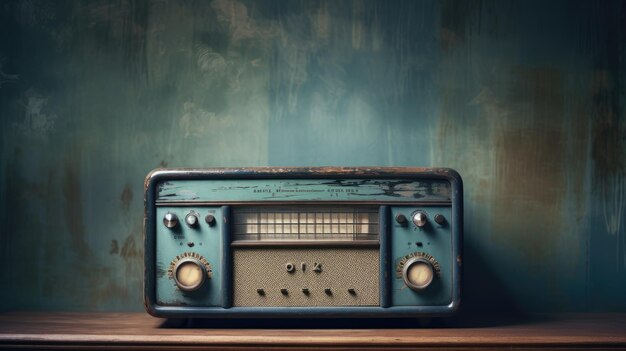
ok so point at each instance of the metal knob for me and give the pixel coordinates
(420, 219)
(170, 220)
(418, 273)
(401, 219)
(191, 219)
(210, 219)
(440, 219)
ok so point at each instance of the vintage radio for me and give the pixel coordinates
(303, 242)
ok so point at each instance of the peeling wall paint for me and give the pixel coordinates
(525, 99)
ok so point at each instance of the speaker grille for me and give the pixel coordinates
(261, 278)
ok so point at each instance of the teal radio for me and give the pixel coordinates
(303, 242)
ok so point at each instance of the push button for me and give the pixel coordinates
(440, 219)
(401, 219)
(210, 219)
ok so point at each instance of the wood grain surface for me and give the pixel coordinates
(141, 331)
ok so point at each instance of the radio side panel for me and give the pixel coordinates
(202, 242)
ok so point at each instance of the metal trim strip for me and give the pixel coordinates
(305, 243)
(275, 203)
(297, 312)
(385, 257)
(227, 262)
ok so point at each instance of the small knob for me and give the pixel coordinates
(191, 219)
(418, 273)
(420, 219)
(210, 219)
(170, 220)
(189, 274)
(401, 219)
(440, 219)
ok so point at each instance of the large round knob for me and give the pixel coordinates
(420, 219)
(170, 220)
(418, 273)
(189, 274)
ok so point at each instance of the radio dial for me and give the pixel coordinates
(420, 219)
(190, 271)
(418, 273)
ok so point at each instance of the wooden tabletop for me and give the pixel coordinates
(141, 331)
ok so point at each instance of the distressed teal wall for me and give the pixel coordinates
(525, 99)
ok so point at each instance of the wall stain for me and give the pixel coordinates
(126, 198)
(608, 145)
(358, 27)
(241, 24)
(530, 165)
(458, 19)
(114, 250)
(133, 261)
(103, 292)
(73, 207)
(38, 120)
(608, 137)
(6, 77)
(577, 130)
(122, 23)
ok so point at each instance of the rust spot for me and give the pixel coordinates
(163, 164)
(129, 249)
(133, 260)
(73, 208)
(126, 197)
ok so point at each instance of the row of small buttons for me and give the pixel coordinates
(170, 219)
(419, 219)
(305, 291)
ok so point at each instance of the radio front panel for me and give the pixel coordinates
(318, 242)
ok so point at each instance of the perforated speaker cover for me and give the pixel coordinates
(260, 277)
